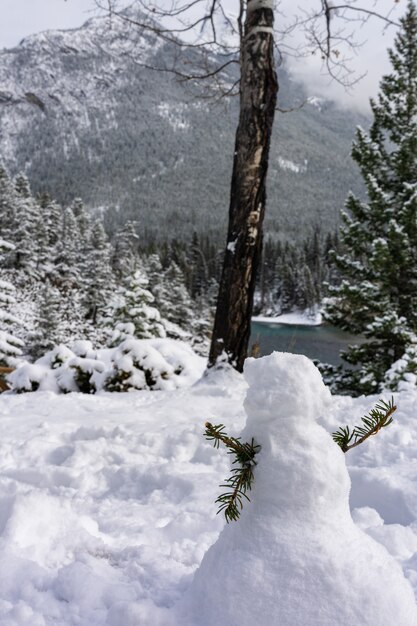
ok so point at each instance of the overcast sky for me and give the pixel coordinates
(370, 58)
(20, 18)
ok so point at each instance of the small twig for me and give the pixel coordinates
(217, 434)
(379, 417)
(231, 502)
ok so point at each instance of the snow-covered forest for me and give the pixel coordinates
(155, 468)
(64, 280)
(70, 281)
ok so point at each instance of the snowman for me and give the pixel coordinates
(295, 557)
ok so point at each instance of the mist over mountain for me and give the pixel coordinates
(82, 116)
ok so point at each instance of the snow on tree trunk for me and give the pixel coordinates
(295, 557)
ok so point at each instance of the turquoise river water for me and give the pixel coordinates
(317, 342)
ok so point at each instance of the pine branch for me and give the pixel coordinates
(231, 502)
(379, 417)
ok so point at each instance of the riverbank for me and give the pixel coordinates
(295, 318)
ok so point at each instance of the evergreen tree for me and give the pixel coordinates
(158, 284)
(10, 345)
(69, 278)
(154, 271)
(136, 307)
(308, 293)
(82, 217)
(52, 216)
(378, 294)
(125, 258)
(68, 254)
(43, 251)
(47, 322)
(8, 218)
(98, 279)
(24, 236)
(177, 306)
(198, 273)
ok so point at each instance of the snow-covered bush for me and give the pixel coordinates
(62, 370)
(81, 374)
(180, 356)
(33, 377)
(56, 357)
(84, 348)
(136, 364)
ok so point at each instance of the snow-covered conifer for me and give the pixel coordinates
(137, 307)
(120, 332)
(44, 262)
(402, 375)
(24, 237)
(68, 253)
(82, 217)
(8, 208)
(124, 257)
(177, 306)
(46, 333)
(377, 296)
(199, 270)
(10, 345)
(52, 215)
(155, 274)
(98, 275)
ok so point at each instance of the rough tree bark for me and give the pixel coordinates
(258, 95)
(322, 23)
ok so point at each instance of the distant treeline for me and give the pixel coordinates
(66, 278)
(292, 274)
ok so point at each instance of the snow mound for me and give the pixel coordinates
(295, 558)
(136, 364)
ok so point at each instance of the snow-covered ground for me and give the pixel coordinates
(107, 501)
(300, 318)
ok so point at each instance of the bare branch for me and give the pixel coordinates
(367, 12)
(328, 34)
(330, 29)
(186, 77)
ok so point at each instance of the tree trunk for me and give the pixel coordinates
(258, 94)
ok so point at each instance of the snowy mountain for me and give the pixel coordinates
(82, 116)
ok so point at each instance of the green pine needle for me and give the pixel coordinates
(379, 417)
(231, 502)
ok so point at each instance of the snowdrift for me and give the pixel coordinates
(295, 558)
(107, 505)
